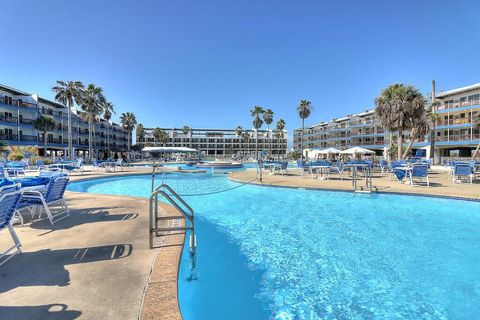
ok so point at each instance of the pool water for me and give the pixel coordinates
(283, 253)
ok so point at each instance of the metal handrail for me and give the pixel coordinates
(164, 190)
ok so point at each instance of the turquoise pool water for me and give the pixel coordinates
(290, 254)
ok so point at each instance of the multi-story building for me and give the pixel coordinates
(220, 143)
(18, 111)
(455, 133)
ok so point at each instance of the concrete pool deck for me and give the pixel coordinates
(440, 183)
(98, 264)
(95, 265)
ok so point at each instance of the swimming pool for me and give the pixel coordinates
(291, 254)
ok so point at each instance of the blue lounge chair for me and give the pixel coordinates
(463, 171)
(9, 198)
(40, 164)
(383, 165)
(282, 168)
(338, 169)
(419, 171)
(52, 196)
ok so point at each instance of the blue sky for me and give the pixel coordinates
(206, 63)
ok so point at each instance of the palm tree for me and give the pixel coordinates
(108, 110)
(68, 93)
(92, 106)
(140, 133)
(398, 108)
(268, 119)
(421, 127)
(186, 130)
(44, 124)
(160, 136)
(433, 117)
(279, 132)
(257, 124)
(238, 133)
(129, 122)
(304, 110)
(476, 124)
(246, 138)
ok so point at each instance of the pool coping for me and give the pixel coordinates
(412, 194)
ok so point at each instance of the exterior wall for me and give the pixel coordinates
(219, 142)
(18, 111)
(455, 134)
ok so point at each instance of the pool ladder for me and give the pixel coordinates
(173, 228)
(368, 181)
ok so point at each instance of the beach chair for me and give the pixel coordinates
(383, 166)
(118, 164)
(282, 169)
(463, 171)
(420, 172)
(338, 169)
(40, 164)
(52, 197)
(9, 198)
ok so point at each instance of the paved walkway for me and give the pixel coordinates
(94, 265)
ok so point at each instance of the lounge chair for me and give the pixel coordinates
(383, 165)
(118, 163)
(40, 164)
(9, 198)
(419, 171)
(282, 169)
(51, 197)
(463, 171)
(338, 169)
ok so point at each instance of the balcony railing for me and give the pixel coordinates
(17, 103)
(9, 137)
(451, 122)
(3, 118)
(458, 104)
(454, 137)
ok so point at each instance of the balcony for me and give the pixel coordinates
(451, 122)
(9, 137)
(17, 103)
(27, 121)
(3, 118)
(459, 137)
(458, 104)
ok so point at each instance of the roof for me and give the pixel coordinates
(457, 91)
(52, 103)
(14, 91)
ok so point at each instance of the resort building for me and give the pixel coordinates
(220, 143)
(455, 134)
(19, 109)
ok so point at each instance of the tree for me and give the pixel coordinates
(257, 124)
(398, 107)
(279, 132)
(432, 117)
(129, 122)
(186, 130)
(160, 136)
(140, 133)
(268, 119)
(44, 124)
(92, 106)
(304, 110)
(421, 127)
(238, 133)
(246, 137)
(476, 124)
(69, 93)
(108, 110)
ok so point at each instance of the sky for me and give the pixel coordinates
(207, 63)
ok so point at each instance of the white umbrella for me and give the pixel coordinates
(329, 151)
(357, 150)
